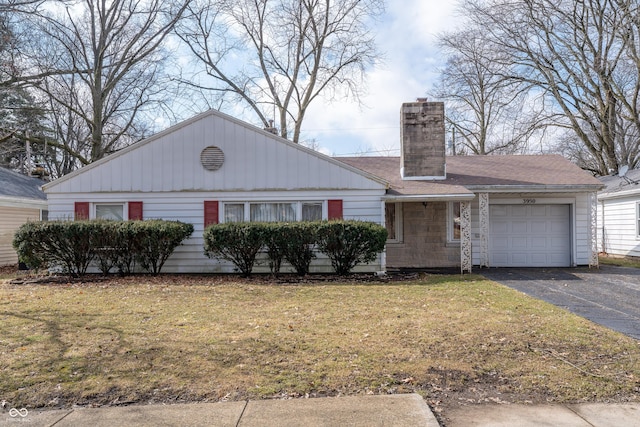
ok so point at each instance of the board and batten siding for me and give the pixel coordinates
(189, 207)
(618, 232)
(11, 218)
(254, 160)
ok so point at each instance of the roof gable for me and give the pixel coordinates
(254, 160)
(15, 185)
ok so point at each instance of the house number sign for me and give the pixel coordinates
(528, 201)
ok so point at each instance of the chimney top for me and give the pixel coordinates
(422, 135)
(421, 99)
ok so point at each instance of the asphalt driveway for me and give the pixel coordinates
(609, 296)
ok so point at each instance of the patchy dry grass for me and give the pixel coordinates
(633, 262)
(175, 338)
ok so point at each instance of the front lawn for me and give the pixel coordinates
(452, 339)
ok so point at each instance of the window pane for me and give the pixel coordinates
(390, 219)
(312, 211)
(456, 220)
(113, 212)
(271, 212)
(234, 212)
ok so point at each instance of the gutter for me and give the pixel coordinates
(430, 198)
(534, 189)
(21, 202)
(619, 194)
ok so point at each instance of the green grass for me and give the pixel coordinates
(176, 338)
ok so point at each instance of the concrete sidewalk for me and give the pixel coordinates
(582, 415)
(401, 410)
(366, 411)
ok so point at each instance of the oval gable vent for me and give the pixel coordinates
(212, 158)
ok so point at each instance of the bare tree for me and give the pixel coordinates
(278, 56)
(116, 51)
(488, 112)
(578, 54)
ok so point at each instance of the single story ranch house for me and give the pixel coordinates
(461, 211)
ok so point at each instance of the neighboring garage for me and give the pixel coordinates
(530, 235)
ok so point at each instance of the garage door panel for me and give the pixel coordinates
(558, 210)
(539, 260)
(519, 227)
(537, 210)
(530, 236)
(519, 257)
(518, 211)
(539, 226)
(539, 242)
(519, 242)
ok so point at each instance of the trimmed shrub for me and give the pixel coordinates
(73, 245)
(155, 240)
(298, 239)
(57, 243)
(275, 242)
(348, 243)
(237, 242)
(103, 241)
(28, 244)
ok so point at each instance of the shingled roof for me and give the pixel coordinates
(15, 185)
(465, 174)
(617, 185)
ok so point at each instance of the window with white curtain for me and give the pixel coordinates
(273, 211)
(234, 212)
(110, 211)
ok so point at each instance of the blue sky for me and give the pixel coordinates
(407, 37)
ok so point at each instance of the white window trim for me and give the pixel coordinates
(398, 225)
(125, 209)
(247, 207)
(450, 238)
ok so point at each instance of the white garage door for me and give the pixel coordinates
(529, 236)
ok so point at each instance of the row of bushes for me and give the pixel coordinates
(122, 245)
(346, 244)
(74, 245)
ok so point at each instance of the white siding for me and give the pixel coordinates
(189, 207)
(254, 161)
(618, 234)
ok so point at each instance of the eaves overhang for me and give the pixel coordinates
(428, 198)
(22, 202)
(534, 188)
(619, 194)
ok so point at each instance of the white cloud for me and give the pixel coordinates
(407, 36)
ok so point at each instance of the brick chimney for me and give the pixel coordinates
(422, 153)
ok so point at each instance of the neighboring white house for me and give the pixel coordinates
(619, 214)
(440, 211)
(21, 200)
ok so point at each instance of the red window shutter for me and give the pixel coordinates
(81, 210)
(334, 209)
(210, 212)
(135, 210)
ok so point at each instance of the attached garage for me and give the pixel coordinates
(530, 235)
